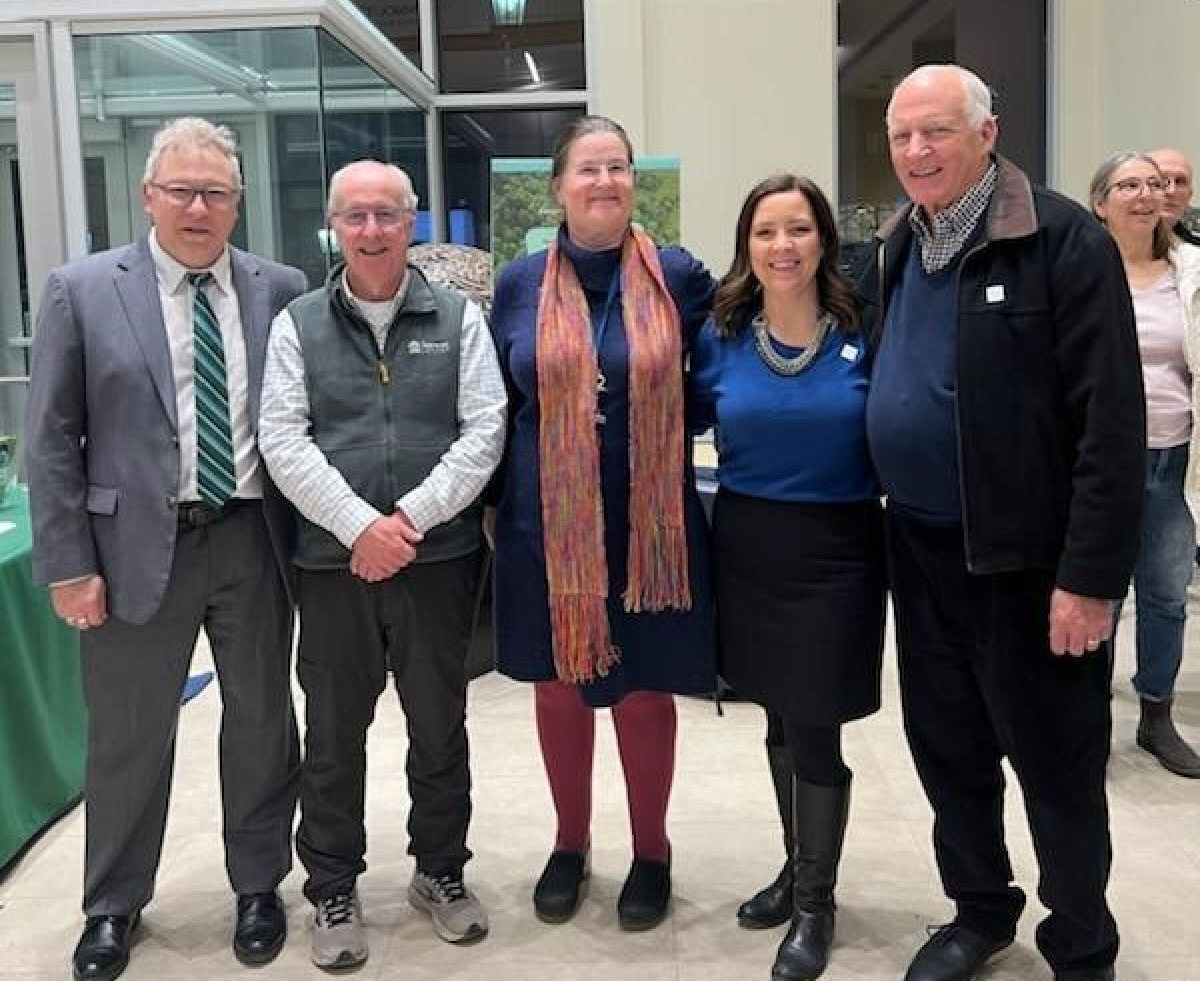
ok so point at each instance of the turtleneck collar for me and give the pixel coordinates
(594, 267)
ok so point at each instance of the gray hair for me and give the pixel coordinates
(977, 97)
(1102, 184)
(408, 199)
(1102, 178)
(193, 133)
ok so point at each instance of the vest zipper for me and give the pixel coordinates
(385, 376)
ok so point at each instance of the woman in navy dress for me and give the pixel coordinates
(781, 371)
(602, 597)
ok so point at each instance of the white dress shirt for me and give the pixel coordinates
(317, 488)
(177, 297)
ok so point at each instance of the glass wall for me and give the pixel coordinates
(471, 139)
(510, 45)
(300, 104)
(14, 287)
(880, 41)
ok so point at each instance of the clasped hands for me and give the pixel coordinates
(385, 546)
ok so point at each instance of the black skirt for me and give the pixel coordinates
(800, 604)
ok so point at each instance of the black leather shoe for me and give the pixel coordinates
(1086, 974)
(103, 949)
(645, 896)
(261, 928)
(558, 892)
(953, 953)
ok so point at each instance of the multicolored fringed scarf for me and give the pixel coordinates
(568, 449)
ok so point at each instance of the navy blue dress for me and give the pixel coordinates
(673, 651)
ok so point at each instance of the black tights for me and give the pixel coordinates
(816, 750)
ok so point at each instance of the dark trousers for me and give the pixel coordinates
(979, 683)
(417, 624)
(224, 578)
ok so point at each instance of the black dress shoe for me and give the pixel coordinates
(261, 928)
(645, 896)
(1086, 974)
(103, 949)
(953, 953)
(558, 892)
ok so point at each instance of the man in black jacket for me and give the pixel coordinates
(1177, 169)
(1006, 423)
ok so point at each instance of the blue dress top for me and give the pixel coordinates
(671, 651)
(794, 438)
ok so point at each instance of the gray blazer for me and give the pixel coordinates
(102, 448)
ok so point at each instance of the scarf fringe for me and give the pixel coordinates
(658, 569)
(583, 648)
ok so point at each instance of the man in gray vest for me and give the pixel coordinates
(383, 417)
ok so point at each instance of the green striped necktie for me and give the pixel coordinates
(214, 434)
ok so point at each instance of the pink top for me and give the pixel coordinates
(1160, 326)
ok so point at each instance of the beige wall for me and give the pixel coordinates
(1123, 76)
(735, 88)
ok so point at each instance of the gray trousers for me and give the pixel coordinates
(223, 578)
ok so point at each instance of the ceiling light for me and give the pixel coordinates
(533, 69)
(508, 13)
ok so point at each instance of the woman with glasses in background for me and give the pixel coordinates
(602, 596)
(1127, 194)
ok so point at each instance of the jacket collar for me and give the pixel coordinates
(1010, 213)
(418, 296)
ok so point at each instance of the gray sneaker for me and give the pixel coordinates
(339, 938)
(457, 915)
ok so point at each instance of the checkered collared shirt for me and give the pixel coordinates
(943, 238)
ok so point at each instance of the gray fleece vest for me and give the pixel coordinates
(383, 418)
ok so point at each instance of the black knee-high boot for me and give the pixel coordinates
(819, 822)
(772, 906)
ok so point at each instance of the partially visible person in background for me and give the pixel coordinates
(781, 370)
(1179, 176)
(1127, 194)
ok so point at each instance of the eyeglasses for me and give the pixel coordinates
(1133, 186)
(182, 195)
(385, 218)
(615, 169)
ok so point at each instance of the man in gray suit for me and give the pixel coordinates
(153, 516)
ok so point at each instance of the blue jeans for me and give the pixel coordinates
(1165, 560)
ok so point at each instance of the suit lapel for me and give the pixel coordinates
(136, 282)
(254, 306)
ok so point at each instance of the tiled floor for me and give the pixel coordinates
(726, 844)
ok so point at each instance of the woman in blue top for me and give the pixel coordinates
(780, 370)
(602, 596)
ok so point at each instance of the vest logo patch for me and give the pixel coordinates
(428, 347)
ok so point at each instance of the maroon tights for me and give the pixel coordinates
(645, 725)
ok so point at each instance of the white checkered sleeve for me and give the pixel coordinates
(296, 464)
(465, 468)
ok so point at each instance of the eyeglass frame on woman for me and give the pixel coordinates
(184, 195)
(385, 218)
(1130, 187)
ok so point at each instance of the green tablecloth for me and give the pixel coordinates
(43, 724)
